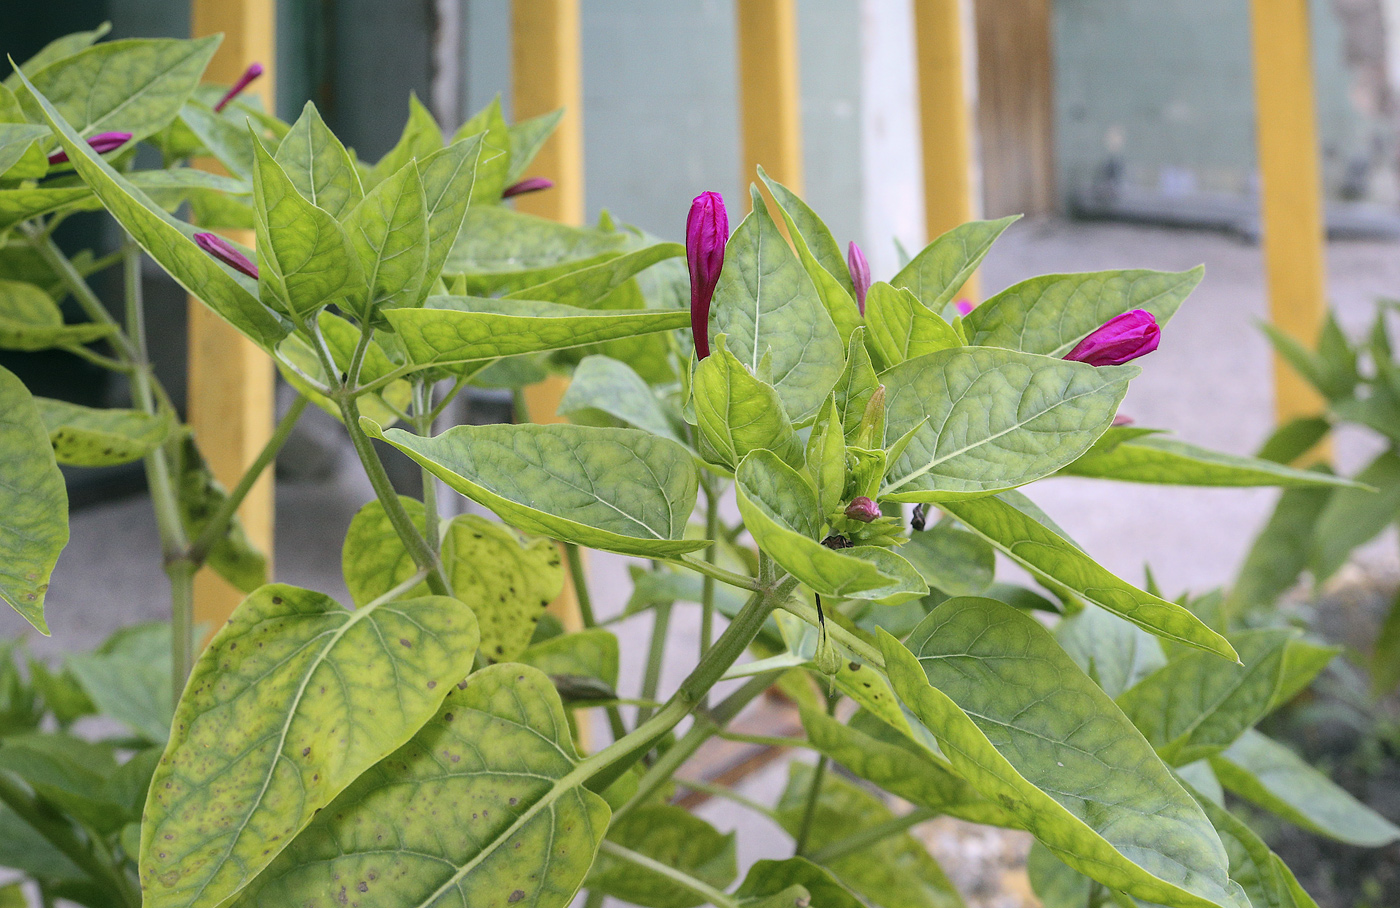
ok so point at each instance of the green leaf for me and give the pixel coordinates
(88, 437)
(1165, 460)
(765, 300)
(857, 383)
(199, 496)
(780, 510)
(770, 878)
(319, 166)
(283, 711)
(493, 172)
(1196, 706)
(1354, 516)
(1279, 554)
(902, 328)
(1385, 657)
(128, 679)
(448, 178)
(305, 260)
(1047, 554)
(1051, 313)
(953, 561)
(1113, 652)
(826, 458)
(986, 420)
(135, 86)
(421, 137)
(673, 837)
(1332, 373)
(591, 653)
(603, 383)
(31, 320)
(454, 329)
(168, 241)
(589, 286)
(737, 413)
(59, 48)
(496, 762)
(33, 504)
(226, 139)
(526, 139)
(1256, 870)
(890, 760)
(938, 272)
(373, 559)
(1054, 750)
(1270, 775)
(894, 872)
(1294, 439)
(17, 151)
(500, 250)
(1054, 882)
(622, 490)
(389, 232)
(507, 581)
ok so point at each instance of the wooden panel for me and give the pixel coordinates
(231, 381)
(1015, 124)
(1291, 187)
(770, 97)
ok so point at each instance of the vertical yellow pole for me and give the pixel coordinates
(231, 381)
(945, 119)
(547, 74)
(1291, 188)
(770, 96)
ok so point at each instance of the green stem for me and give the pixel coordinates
(804, 831)
(181, 573)
(98, 359)
(763, 740)
(867, 652)
(437, 411)
(92, 306)
(871, 835)
(60, 835)
(682, 880)
(656, 654)
(594, 899)
(218, 524)
(728, 794)
(585, 610)
(423, 424)
(707, 588)
(719, 573)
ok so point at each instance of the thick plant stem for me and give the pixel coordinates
(814, 793)
(182, 647)
(871, 835)
(585, 610)
(707, 588)
(719, 573)
(423, 425)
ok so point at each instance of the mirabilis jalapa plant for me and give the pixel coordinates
(417, 749)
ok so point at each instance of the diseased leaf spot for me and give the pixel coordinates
(516, 896)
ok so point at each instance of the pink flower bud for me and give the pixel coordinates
(1121, 420)
(964, 306)
(706, 232)
(863, 509)
(860, 273)
(1120, 339)
(530, 184)
(101, 143)
(223, 250)
(252, 72)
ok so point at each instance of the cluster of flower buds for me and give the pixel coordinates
(225, 252)
(860, 273)
(529, 184)
(1120, 339)
(249, 74)
(101, 143)
(706, 232)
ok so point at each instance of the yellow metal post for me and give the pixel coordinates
(231, 381)
(770, 97)
(1291, 188)
(945, 119)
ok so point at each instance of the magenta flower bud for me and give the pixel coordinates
(863, 509)
(101, 143)
(1120, 339)
(530, 184)
(223, 250)
(964, 306)
(860, 273)
(1121, 420)
(706, 232)
(252, 72)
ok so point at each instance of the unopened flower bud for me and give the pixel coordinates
(252, 72)
(863, 509)
(871, 432)
(1121, 420)
(919, 518)
(101, 143)
(225, 252)
(860, 273)
(1120, 339)
(529, 184)
(706, 232)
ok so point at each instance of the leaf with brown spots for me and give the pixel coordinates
(506, 582)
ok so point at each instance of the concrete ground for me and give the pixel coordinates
(1209, 382)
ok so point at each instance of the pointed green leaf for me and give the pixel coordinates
(461, 329)
(1048, 554)
(526, 139)
(16, 142)
(1166, 460)
(227, 139)
(622, 490)
(58, 49)
(1051, 313)
(500, 250)
(168, 241)
(1054, 750)
(765, 300)
(1385, 655)
(31, 320)
(771, 878)
(857, 383)
(603, 383)
(591, 653)
(1354, 516)
(1270, 775)
(938, 272)
(18, 205)
(989, 420)
(421, 137)
(826, 458)
(88, 437)
(1258, 872)
(494, 170)
(675, 838)
(128, 679)
(508, 582)
(305, 260)
(737, 413)
(135, 86)
(1279, 554)
(589, 286)
(283, 711)
(902, 328)
(1110, 650)
(448, 177)
(389, 232)
(497, 765)
(319, 166)
(33, 504)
